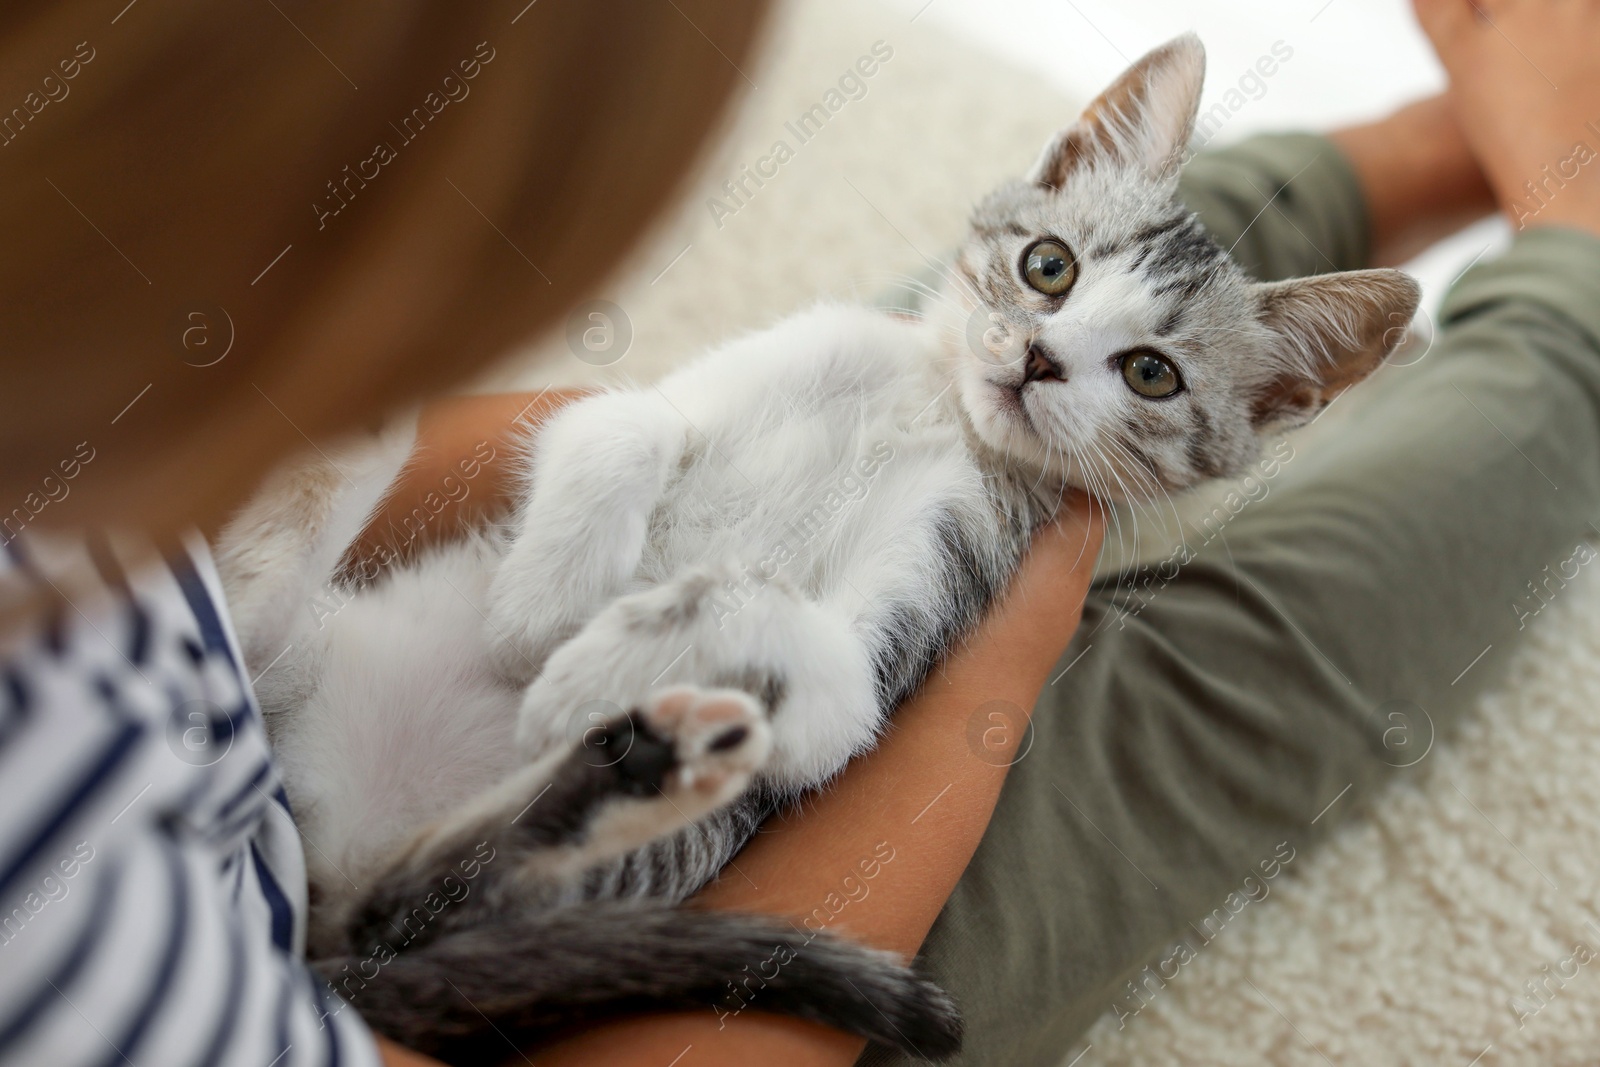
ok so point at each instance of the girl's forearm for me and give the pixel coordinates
(462, 471)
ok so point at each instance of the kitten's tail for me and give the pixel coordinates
(464, 995)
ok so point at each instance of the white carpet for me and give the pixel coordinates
(1406, 938)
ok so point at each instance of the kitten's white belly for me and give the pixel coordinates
(408, 721)
(814, 455)
(784, 497)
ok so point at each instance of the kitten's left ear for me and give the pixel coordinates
(1143, 120)
(1334, 330)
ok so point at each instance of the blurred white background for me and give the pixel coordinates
(1351, 60)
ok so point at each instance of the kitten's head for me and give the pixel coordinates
(1104, 338)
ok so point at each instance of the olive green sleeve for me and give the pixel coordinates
(1286, 204)
(1548, 271)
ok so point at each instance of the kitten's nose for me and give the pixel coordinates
(1041, 367)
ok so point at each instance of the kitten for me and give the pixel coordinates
(514, 756)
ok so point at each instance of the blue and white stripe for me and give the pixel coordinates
(152, 882)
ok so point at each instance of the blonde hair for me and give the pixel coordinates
(231, 230)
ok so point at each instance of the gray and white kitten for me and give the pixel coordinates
(517, 754)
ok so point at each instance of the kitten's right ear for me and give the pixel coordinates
(1144, 119)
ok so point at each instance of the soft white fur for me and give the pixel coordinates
(407, 719)
(699, 481)
(660, 548)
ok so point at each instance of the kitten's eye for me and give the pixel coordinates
(1049, 267)
(1150, 374)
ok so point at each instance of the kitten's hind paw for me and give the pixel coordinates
(698, 747)
(632, 779)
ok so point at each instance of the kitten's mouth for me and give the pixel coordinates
(1010, 402)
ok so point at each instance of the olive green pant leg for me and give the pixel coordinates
(1201, 737)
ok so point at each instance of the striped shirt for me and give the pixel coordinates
(152, 882)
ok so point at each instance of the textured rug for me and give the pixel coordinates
(1455, 919)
